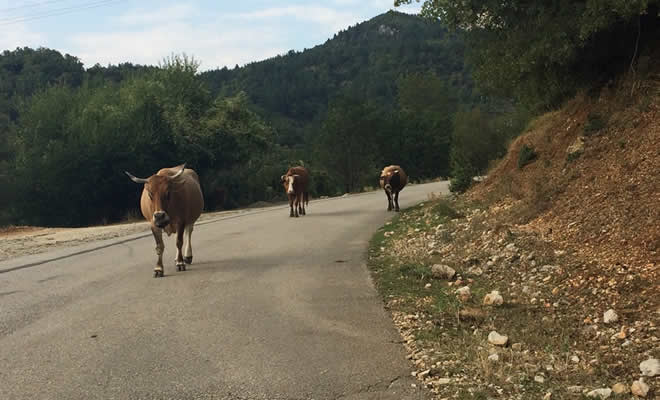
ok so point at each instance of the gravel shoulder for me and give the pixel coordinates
(17, 241)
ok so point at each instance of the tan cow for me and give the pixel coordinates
(392, 180)
(295, 183)
(172, 201)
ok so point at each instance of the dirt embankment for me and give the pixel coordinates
(566, 229)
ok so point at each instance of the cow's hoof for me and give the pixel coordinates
(158, 273)
(187, 260)
(181, 267)
(396, 209)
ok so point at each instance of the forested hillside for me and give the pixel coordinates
(384, 91)
(365, 62)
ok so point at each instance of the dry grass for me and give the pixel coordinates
(594, 216)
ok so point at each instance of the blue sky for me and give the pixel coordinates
(216, 33)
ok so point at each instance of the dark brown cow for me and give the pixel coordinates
(295, 183)
(172, 201)
(392, 180)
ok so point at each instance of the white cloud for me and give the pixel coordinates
(146, 36)
(18, 35)
(328, 18)
(175, 12)
(149, 46)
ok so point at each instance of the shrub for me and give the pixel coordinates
(526, 156)
(594, 124)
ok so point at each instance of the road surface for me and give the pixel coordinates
(272, 308)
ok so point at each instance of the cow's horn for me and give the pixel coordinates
(178, 174)
(135, 179)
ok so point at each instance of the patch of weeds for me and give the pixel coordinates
(570, 157)
(443, 208)
(595, 123)
(526, 156)
(644, 104)
(622, 144)
(464, 394)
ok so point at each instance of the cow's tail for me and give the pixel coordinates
(306, 198)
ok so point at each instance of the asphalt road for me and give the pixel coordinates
(272, 308)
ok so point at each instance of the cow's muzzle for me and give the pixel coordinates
(161, 219)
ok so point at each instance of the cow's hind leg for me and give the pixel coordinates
(301, 204)
(180, 265)
(160, 249)
(296, 204)
(187, 245)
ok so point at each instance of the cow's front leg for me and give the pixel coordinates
(180, 265)
(187, 248)
(291, 214)
(160, 248)
(396, 201)
(389, 201)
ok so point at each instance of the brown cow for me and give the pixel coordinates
(172, 201)
(295, 183)
(392, 180)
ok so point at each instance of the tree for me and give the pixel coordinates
(542, 51)
(347, 144)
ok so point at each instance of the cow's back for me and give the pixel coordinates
(303, 173)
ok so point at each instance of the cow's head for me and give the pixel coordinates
(159, 189)
(388, 179)
(288, 181)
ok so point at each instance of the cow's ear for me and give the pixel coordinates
(396, 171)
(283, 178)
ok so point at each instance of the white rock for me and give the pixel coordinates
(539, 379)
(547, 396)
(575, 389)
(620, 388)
(650, 367)
(600, 393)
(576, 148)
(427, 286)
(639, 388)
(443, 381)
(610, 316)
(494, 358)
(493, 299)
(441, 271)
(497, 339)
(463, 293)
(575, 359)
(476, 271)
